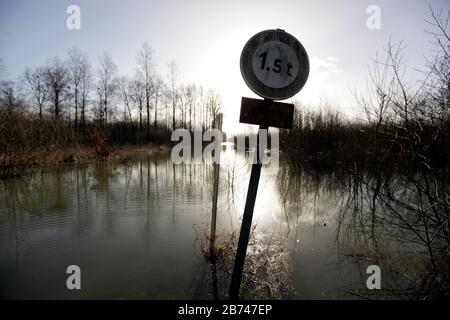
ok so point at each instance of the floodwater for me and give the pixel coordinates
(137, 229)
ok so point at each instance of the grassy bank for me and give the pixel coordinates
(77, 155)
(26, 140)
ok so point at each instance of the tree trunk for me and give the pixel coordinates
(173, 115)
(148, 121)
(56, 105)
(156, 110)
(83, 104)
(190, 117)
(140, 116)
(76, 107)
(106, 109)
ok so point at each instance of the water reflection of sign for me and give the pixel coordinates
(274, 64)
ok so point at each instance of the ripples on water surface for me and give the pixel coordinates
(136, 229)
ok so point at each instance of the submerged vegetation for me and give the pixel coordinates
(396, 162)
(268, 267)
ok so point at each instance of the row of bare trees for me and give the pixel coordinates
(69, 103)
(397, 160)
(71, 89)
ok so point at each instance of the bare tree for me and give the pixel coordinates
(167, 96)
(202, 109)
(172, 78)
(34, 81)
(106, 74)
(439, 66)
(80, 76)
(75, 76)
(416, 132)
(125, 95)
(190, 97)
(182, 105)
(2, 70)
(158, 88)
(56, 78)
(99, 111)
(85, 85)
(213, 105)
(146, 67)
(187, 96)
(138, 95)
(8, 95)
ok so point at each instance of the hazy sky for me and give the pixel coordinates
(205, 38)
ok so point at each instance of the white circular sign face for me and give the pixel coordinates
(274, 64)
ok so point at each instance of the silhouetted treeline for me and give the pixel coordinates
(69, 102)
(325, 140)
(406, 121)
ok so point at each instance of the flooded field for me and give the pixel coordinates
(139, 229)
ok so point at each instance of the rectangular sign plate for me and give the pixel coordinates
(266, 113)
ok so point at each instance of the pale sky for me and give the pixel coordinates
(205, 38)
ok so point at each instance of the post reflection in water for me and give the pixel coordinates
(137, 229)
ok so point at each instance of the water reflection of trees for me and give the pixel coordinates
(400, 223)
(407, 218)
(305, 193)
(99, 195)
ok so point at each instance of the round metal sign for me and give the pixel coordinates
(274, 64)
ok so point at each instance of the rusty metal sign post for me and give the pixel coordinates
(275, 66)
